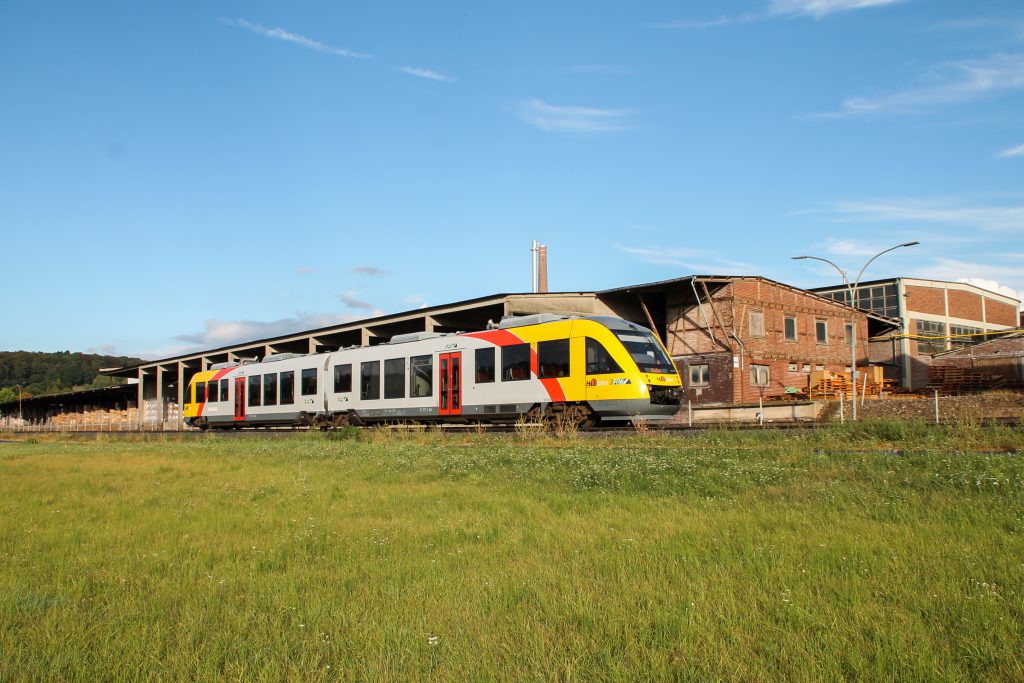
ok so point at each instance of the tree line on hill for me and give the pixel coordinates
(49, 373)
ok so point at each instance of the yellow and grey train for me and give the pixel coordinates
(587, 370)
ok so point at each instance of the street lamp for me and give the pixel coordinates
(854, 298)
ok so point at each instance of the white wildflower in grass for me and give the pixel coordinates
(432, 640)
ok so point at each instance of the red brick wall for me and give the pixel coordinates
(688, 337)
(927, 300)
(998, 313)
(965, 305)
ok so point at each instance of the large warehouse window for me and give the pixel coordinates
(821, 331)
(394, 378)
(553, 358)
(485, 365)
(515, 362)
(287, 388)
(931, 336)
(599, 361)
(369, 380)
(343, 378)
(309, 382)
(421, 376)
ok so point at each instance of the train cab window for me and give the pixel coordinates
(421, 376)
(369, 380)
(200, 392)
(599, 361)
(270, 390)
(254, 390)
(309, 382)
(224, 390)
(515, 362)
(553, 358)
(287, 386)
(343, 378)
(394, 378)
(485, 365)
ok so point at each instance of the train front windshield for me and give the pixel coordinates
(646, 352)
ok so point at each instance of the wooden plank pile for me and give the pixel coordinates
(826, 384)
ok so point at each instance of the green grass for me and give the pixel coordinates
(875, 551)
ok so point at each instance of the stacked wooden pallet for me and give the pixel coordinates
(825, 384)
(951, 381)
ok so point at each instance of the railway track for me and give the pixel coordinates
(292, 432)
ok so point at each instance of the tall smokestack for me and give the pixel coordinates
(542, 269)
(533, 264)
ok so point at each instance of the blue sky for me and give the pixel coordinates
(186, 175)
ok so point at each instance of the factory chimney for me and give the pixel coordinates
(539, 256)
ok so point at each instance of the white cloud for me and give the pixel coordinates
(1012, 152)
(372, 271)
(425, 73)
(304, 270)
(217, 333)
(962, 81)
(822, 8)
(350, 299)
(571, 119)
(949, 211)
(287, 36)
(784, 8)
(693, 260)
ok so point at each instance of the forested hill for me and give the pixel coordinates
(47, 373)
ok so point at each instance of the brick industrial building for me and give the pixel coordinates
(935, 317)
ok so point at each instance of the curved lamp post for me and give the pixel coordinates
(854, 298)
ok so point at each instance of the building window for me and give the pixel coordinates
(806, 367)
(759, 375)
(553, 358)
(343, 378)
(699, 376)
(961, 336)
(793, 367)
(309, 382)
(821, 331)
(270, 390)
(224, 390)
(421, 375)
(757, 323)
(484, 365)
(881, 299)
(515, 362)
(369, 380)
(394, 378)
(287, 385)
(931, 336)
(599, 361)
(789, 323)
(848, 334)
(254, 390)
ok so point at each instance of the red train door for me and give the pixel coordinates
(450, 372)
(239, 398)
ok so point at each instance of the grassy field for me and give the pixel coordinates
(875, 551)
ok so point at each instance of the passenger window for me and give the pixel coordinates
(270, 390)
(515, 362)
(224, 390)
(553, 358)
(394, 378)
(200, 392)
(485, 365)
(343, 378)
(421, 376)
(287, 384)
(369, 380)
(254, 390)
(309, 382)
(599, 361)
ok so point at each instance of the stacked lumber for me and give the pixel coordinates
(826, 384)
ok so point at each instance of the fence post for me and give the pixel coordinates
(842, 417)
(936, 406)
(689, 412)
